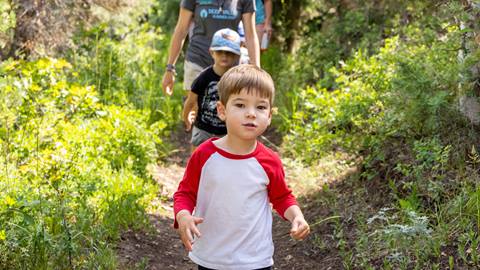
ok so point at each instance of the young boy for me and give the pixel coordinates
(201, 103)
(231, 181)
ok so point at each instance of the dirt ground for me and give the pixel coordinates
(160, 248)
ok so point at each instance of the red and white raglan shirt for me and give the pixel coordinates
(232, 193)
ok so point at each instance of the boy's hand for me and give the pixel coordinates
(300, 228)
(190, 109)
(189, 121)
(187, 227)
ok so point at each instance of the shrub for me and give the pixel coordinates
(126, 66)
(74, 170)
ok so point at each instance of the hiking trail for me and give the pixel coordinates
(160, 247)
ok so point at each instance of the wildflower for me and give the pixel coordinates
(9, 201)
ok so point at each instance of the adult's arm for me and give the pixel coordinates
(180, 33)
(268, 16)
(251, 38)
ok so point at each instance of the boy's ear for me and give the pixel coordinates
(210, 51)
(221, 111)
(270, 117)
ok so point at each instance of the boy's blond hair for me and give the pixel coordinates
(248, 77)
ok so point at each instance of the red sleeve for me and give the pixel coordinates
(185, 198)
(279, 193)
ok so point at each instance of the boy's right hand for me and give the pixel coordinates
(187, 227)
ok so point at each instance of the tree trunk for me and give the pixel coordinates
(288, 16)
(45, 27)
(293, 16)
(27, 29)
(469, 104)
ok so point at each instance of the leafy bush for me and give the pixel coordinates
(74, 169)
(408, 89)
(342, 118)
(397, 108)
(403, 236)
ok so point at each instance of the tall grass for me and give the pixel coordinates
(128, 69)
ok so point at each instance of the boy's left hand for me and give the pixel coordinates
(300, 228)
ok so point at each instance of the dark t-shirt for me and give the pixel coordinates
(209, 16)
(205, 86)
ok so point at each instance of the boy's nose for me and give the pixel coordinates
(251, 113)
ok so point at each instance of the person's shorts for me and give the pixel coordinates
(191, 71)
(200, 135)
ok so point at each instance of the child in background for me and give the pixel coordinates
(200, 107)
(231, 181)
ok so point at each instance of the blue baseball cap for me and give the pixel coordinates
(226, 40)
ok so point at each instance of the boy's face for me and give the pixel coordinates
(246, 116)
(224, 59)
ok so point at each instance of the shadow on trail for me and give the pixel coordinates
(156, 249)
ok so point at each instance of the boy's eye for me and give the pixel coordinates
(261, 107)
(239, 105)
(227, 53)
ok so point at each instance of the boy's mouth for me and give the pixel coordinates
(249, 125)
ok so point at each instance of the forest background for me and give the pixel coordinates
(378, 119)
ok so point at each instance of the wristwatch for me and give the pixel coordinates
(171, 68)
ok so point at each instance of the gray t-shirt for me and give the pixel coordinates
(209, 16)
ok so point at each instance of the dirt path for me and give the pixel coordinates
(160, 247)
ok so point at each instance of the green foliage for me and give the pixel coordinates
(127, 68)
(390, 94)
(164, 15)
(405, 237)
(73, 170)
(281, 67)
(407, 89)
(429, 157)
(425, 86)
(342, 118)
(332, 31)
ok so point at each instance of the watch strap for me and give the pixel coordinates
(171, 68)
